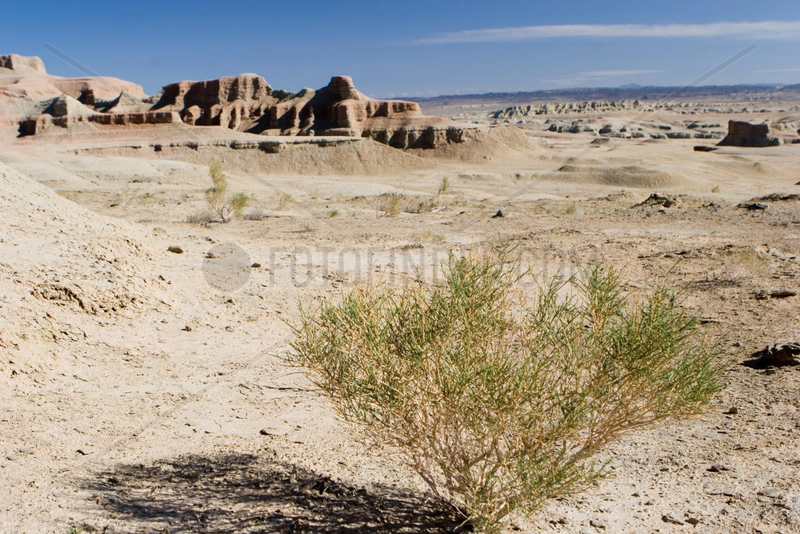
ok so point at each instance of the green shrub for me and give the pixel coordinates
(217, 198)
(499, 406)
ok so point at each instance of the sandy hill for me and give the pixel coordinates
(65, 271)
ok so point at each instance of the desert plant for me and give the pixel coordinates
(256, 215)
(203, 217)
(498, 406)
(334, 213)
(444, 187)
(224, 206)
(392, 204)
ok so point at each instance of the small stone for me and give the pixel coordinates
(597, 523)
(500, 213)
(256, 266)
(669, 518)
(772, 493)
(187, 328)
(175, 249)
(692, 521)
(783, 293)
(718, 468)
(733, 410)
(775, 356)
(753, 206)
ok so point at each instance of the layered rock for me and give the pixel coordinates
(248, 103)
(244, 103)
(744, 134)
(22, 63)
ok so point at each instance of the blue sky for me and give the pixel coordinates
(413, 48)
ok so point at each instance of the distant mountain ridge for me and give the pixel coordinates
(628, 92)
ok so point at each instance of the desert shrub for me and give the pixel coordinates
(256, 215)
(391, 204)
(203, 217)
(496, 404)
(444, 187)
(224, 206)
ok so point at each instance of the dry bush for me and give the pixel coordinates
(203, 217)
(498, 406)
(256, 215)
(744, 263)
(391, 204)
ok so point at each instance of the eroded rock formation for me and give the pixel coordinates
(248, 103)
(244, 103)
(744, 134)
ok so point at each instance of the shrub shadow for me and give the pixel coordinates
(252, 494)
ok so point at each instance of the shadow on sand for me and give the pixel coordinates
(247, 493)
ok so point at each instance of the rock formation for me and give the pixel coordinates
(22, 64)
(248, 103)
(745, 134)
(244, 103)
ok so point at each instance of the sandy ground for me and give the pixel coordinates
(144, 390)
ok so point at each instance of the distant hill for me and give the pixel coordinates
(742, 93)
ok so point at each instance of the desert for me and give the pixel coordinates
(145, 339)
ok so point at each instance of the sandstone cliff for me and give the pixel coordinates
(37, 102)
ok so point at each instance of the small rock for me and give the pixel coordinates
(256, 266)
(692, 521)
(596, 523)
(657, 200)
(772, 493)
(733, 410)
(669, 518)
(500, 213)
(776, 356)
(783, 293)
(187, 328)
(753, 206)
(175, 249)
(718, 468)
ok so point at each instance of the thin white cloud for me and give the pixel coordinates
(767, 30)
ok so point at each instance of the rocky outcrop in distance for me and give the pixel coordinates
(245, 103)
(744, 134)
(534, 111)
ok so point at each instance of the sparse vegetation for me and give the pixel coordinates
(572, 209)
(256, 215)
(224, 206)
(392, 204)
(745, 263)
(498, 406)
(430, 237)
(445, 185)
(202, 216)
(284, 200)
(333, 213)
(715, 189)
